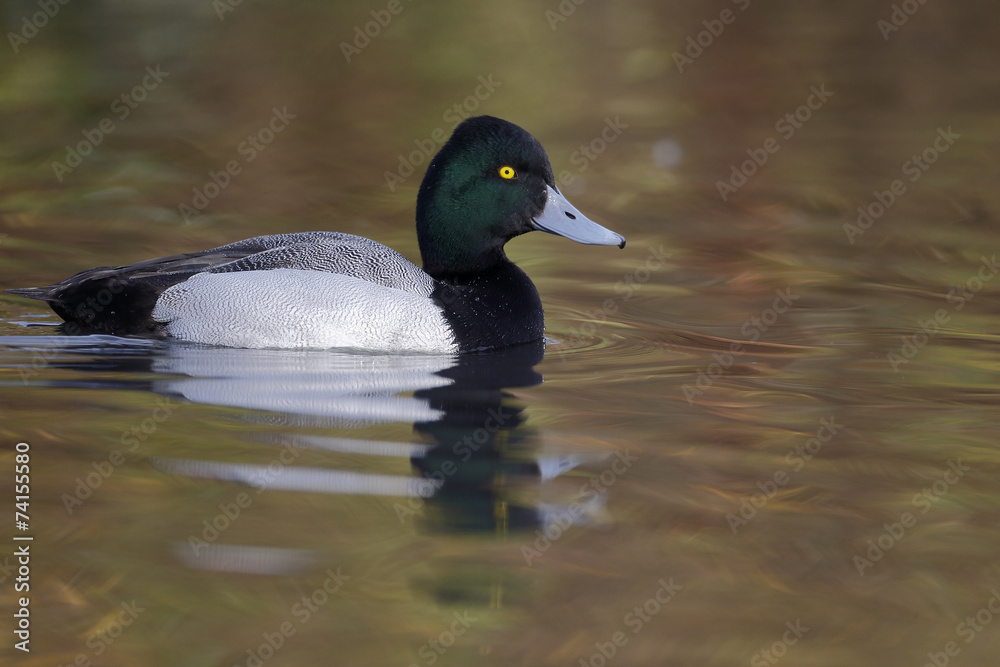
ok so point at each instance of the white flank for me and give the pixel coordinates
(291, 308)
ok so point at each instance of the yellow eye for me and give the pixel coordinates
(507, 172)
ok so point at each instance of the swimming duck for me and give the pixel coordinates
(490, 182)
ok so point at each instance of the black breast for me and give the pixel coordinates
(493, 309)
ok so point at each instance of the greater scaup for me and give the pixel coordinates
(490, 182)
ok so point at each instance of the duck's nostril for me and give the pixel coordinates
(570, 215)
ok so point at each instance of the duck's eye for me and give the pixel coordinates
(507, 172)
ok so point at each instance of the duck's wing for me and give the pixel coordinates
(330, 252)
(120, 299)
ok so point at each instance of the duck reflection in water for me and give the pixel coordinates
(477, 470)
(480, 452)
(483, 452)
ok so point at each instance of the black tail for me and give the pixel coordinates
(120, 299)
(105, 300)
(40, 293)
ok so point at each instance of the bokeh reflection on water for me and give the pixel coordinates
(771, 419)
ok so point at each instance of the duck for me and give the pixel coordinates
(489, 183)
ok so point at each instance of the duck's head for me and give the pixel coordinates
(490, 182)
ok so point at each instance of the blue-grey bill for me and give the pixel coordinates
(561, 218)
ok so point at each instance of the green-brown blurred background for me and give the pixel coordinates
(617, 378)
